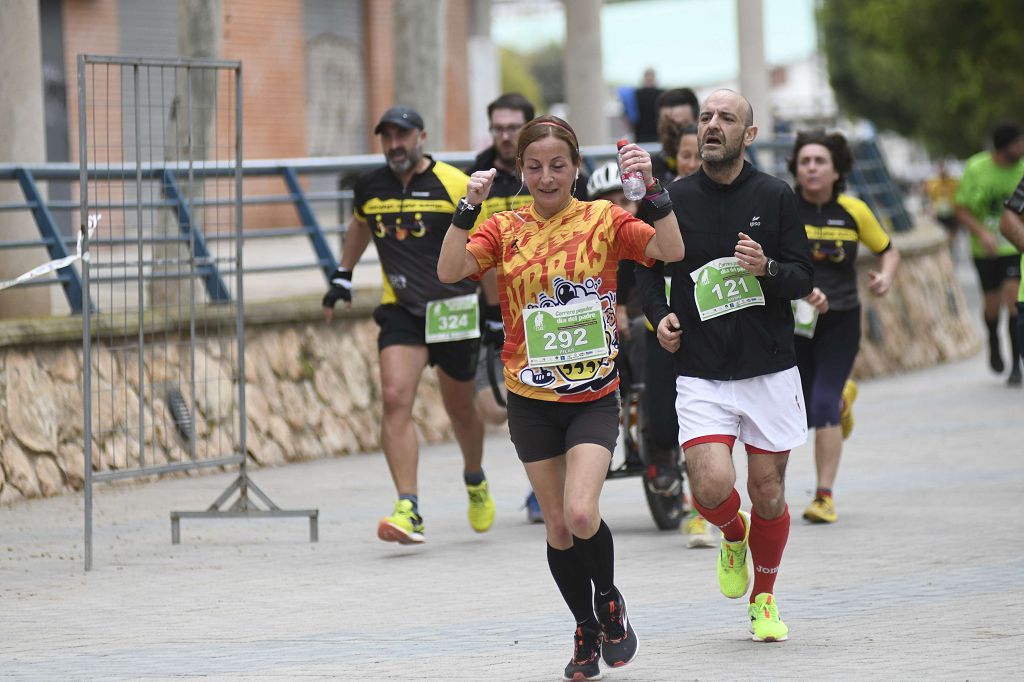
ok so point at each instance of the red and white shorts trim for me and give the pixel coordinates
(766, 413)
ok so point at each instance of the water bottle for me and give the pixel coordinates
(633, 185)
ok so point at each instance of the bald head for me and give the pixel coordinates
(725, 128)
(735, 101)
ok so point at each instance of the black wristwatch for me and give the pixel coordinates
(771, 268)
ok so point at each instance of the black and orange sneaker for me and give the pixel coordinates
(620, 643)
(585, 663)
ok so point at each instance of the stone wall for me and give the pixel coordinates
(312, 390)
(924, 319)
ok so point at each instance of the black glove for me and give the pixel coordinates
(494, 329)
(340, 289)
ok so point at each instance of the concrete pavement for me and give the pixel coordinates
(922, 577)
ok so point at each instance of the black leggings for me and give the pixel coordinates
(659, 400)
(825, 363)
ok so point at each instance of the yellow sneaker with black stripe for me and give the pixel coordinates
(404, 526)
(765, 624)
(846, 411)
(481, 507)
(734, 563)
(821, 510)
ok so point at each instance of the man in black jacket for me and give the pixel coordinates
(730, 326)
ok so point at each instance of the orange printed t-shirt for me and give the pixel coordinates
(567, 258)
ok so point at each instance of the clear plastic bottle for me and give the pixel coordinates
(633, 185)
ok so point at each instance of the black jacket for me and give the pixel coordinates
(752, 341)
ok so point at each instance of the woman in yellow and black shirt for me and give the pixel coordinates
(836, 223)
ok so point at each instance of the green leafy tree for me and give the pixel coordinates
(940, 71)
(516, 76)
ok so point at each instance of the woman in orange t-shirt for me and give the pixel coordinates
(556, 260)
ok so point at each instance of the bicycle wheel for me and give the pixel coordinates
(666, 510)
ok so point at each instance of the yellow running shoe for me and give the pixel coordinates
(698, 531)
(765, 625)
(846, 411)
(733, 564)
(404, 526)
(821, 510)
(481, 507)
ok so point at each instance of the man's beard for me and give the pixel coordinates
(405, 164)
(724, 156)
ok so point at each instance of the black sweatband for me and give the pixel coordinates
(463, 218)
(657, 206)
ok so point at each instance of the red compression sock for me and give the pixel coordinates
(725, 516)
(767, 542)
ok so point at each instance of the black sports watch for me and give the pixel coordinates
(771, 268)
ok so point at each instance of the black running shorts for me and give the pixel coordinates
(399, 327)
(993, 271)
(542, 429)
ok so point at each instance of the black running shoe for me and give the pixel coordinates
(585, 663)
(620, 642)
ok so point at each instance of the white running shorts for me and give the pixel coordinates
(766, 412)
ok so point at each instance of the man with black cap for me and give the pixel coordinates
(989, 179)
(406, 207)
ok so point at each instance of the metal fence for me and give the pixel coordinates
(162, 298)
(305, 197)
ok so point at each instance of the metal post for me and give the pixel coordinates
(142, 259)
(239, 281)
(83, 183)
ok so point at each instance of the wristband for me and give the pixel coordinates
(465, 215)
(658, 205)
(653, 188)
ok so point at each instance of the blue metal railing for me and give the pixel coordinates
(870, 180)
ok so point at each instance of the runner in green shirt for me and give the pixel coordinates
(988, 179)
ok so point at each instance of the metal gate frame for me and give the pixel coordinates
(244, 505)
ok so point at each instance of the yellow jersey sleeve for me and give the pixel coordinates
(869, 231)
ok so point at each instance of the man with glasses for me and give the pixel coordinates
(505, 115)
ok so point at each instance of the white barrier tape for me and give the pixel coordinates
(40, 270)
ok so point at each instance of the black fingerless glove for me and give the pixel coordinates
(340, 289)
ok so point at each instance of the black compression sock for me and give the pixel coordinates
(995, 358)
(573, 582)
(598, 555)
